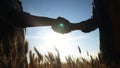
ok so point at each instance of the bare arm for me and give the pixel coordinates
(33, 21)
(23, 20)
(85, 26)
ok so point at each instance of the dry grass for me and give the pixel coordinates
(14, 60)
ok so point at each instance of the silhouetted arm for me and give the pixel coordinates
(33, 21)
(85, 26)
(23, 20)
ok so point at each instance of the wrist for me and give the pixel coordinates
(75, 26)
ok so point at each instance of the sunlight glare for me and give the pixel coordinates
(58, 40)
(47, 40)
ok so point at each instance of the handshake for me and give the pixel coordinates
(64, 26)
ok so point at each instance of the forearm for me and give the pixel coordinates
(24, 19)
(40, 21)
(86, 26)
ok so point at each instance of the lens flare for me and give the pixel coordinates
(61, 25)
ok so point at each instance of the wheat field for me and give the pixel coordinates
(44, 61)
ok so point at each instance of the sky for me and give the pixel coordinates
(45, 39)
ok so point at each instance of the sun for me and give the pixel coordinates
(58, 40)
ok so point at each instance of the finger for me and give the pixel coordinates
(62, 19)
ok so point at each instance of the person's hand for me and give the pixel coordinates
(62, 26)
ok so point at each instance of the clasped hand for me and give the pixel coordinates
(62, 26)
